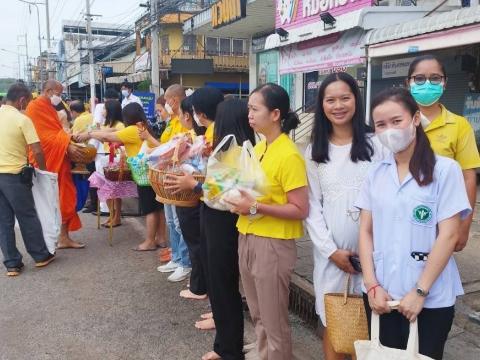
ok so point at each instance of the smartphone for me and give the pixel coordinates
(355, 261)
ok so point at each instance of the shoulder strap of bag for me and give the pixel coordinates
(222, 143)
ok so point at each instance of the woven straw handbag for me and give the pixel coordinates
(346, 320)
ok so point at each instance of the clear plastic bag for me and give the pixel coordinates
(230, 169)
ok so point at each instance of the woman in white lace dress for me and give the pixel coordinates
(342, 150)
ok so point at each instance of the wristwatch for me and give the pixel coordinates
(253, 208)
(421, 292)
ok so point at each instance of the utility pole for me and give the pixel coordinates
(48, 38)
(40, 48)
(30, 3)
(90, 57)
(27, 64)
(154, 53)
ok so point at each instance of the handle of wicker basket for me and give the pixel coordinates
(345, 291)
(175, 158)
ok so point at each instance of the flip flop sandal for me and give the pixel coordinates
(113, 226)
(138, 249)
(14, 271)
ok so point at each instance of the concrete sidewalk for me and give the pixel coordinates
(464, 338)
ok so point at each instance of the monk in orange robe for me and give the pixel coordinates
(56, 145)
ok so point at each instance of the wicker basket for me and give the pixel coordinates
(86, 156)
(346, 320)
(117, 174)
(182, 198)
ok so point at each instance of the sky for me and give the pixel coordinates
(16, 20)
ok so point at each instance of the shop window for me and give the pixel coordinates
(165, 44)
(190, 43)
(211, 46)
(225, 45)
(238, 47)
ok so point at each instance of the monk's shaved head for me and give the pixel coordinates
(52, 85)
(176, 90)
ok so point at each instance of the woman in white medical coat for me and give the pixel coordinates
(411, 207)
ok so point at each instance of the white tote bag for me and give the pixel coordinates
(47, 203)
(373, 350)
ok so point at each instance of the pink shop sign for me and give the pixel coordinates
(295, 13)
(346, 51)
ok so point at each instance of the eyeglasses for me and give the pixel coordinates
(353, 214)
(421, 79)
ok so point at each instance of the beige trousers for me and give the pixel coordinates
(266, 266)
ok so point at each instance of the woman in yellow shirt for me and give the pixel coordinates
(134, 117)
(269, 224)
(450, 135)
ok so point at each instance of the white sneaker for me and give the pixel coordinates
(170, 267)
(179, 274)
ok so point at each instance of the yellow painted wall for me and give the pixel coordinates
(175, 35)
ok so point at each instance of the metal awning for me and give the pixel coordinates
(433, 23)
(366, 18)
(260, 19)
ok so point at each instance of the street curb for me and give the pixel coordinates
(302, 300)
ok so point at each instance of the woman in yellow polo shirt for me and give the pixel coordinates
(133, 117)
(269, 225)
(450, 135)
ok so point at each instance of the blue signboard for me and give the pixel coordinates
(107, 70)
(471, 110)
(148, 101)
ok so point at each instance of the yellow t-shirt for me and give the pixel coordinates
(118, 125)
(452, 136)
(285, 169)
(209, 133)
(82, 122)
(173, 128)
(130, 139)
(17, 132)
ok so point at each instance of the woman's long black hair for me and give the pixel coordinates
(362, 149)
(133, 113)
(422, 163)
(187, 107)
(113, 110)
(232, 118)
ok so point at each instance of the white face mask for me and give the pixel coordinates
(55, 99)
(197, 119)
(168, 108)
(125, 93)
(397, 140)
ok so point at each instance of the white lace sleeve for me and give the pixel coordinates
(316, 225)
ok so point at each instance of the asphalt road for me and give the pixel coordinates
(106, 303)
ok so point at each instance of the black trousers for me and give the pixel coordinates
(189, 218)
(16, 200)
(433, 328)
(221, 247)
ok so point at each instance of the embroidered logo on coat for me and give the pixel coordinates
(422, 214)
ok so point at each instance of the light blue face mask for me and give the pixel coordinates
(426, 94)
